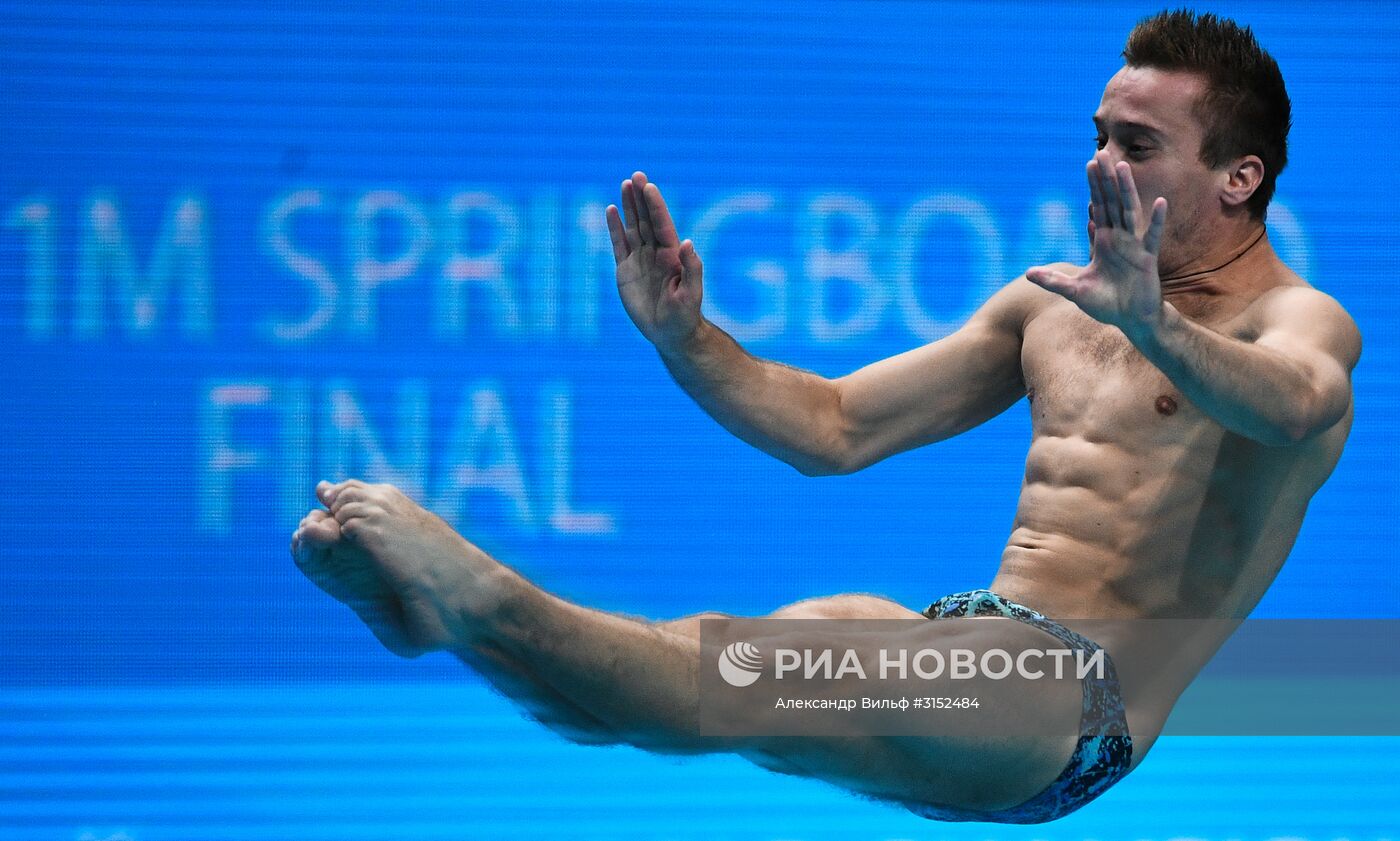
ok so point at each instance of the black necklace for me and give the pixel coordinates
(1250, 248)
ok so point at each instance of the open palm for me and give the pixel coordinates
(658, 276)
(1120, 286)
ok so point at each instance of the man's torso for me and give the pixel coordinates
(1137, 505)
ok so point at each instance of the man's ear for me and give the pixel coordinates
(1242, 178)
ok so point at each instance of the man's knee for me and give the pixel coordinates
(689, 626)
(845, 606)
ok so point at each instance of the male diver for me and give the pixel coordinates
(1188, 392)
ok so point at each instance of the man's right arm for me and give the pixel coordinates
(787, 412)
(824, 426)
(816, 424)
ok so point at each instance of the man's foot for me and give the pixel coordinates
(417, 583)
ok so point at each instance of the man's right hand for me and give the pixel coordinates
(658, 276)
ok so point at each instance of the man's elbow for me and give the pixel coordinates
(812, 468)
(1287, 435)
(1290, 433)
(838, 456)
(1321, 411)
(831, 465)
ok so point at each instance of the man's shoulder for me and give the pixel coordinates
(1296, 293)
(1309, 313)
(1288, 302)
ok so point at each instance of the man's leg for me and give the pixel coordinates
(842, 606)
(645, 687)
(512, 678)
(552, 709)
(641, 680)
(539, 700)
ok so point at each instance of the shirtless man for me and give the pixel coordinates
(1188, 395)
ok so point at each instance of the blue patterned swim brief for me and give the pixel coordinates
(1104, 750)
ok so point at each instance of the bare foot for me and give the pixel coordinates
(418, 584)
(336, 567)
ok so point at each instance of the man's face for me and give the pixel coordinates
(1146, 119)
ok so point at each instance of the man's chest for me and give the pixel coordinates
(1085, 379)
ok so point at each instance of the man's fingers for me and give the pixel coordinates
(644, 225)
(1153, 240)
(1057, 282)
(1096, 206)
(1127, 190)
(618, 234)
(661, 225)
(1109, 175)
(646, 218)
(691, 267)
(1108, 188)
(629, 210)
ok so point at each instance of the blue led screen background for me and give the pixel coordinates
(248, 248)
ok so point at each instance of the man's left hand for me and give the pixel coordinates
(1120, 286)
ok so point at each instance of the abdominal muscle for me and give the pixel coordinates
(1101, 536)
(1102, 527)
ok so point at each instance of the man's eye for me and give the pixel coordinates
(1100, 142)
(1138, 149)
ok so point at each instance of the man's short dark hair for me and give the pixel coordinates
(1245, 108)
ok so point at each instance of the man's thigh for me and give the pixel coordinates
(1016, 746)
(841, 606)
(997, 755)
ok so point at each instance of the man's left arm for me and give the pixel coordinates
(1291, 383)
